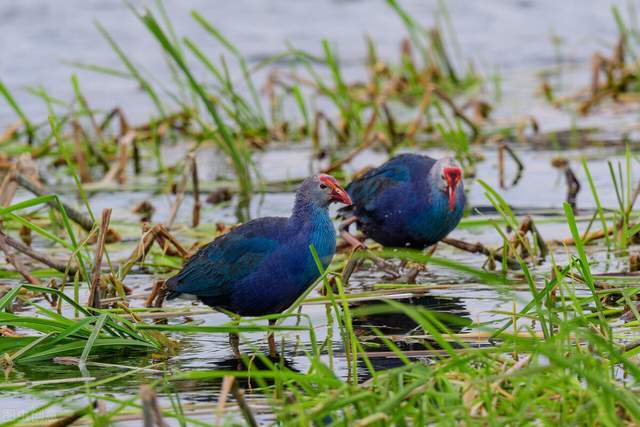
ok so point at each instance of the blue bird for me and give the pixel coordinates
(410, 201)
(264, 265)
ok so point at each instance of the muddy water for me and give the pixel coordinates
(511, 37)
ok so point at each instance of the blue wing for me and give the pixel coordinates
(212, 271)
(366, 190)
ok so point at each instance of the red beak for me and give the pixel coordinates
(338, 194)
(453, 175)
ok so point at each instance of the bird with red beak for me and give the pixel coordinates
(453, 176)
(410, 201)
(336, 193)
(264, 265)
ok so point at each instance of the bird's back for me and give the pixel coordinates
(397, 205)
(258, 268)
(212, 271)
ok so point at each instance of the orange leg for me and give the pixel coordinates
(348, 237)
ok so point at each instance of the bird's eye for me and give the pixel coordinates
(323, 186)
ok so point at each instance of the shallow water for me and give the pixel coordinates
(512, 37)
(451, 292)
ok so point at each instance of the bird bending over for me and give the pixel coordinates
(264, 265)
(410, 201)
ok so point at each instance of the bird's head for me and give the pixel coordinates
(447, 174)
(323, 190)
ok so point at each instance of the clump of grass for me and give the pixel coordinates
(56, 335)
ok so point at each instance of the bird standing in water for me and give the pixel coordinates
(263, 266)
(410, 201)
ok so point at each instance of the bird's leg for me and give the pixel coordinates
(356, 244)
(234, 341)
(429, 252)
(432, 249)
(273, 353)
(348, 237)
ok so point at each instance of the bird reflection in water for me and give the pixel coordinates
(398, 326)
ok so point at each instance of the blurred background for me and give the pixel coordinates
(39, 39)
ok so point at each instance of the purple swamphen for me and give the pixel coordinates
(410, 201)
(263, 266)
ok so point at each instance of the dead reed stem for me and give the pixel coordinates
(13, 260)
(10, 131)
(141, 250)
(162, 233)
(479, 248)
(155, 290)
(94, 292)
(46, 260)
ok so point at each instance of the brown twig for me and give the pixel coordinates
(93, 149)
(154, 293)
(141, 250)
(479, 248)
(10, 131)
(163, 233)
(594, 235)
(24, 165)
(22, 248)
(94, 292)
(11, 259)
